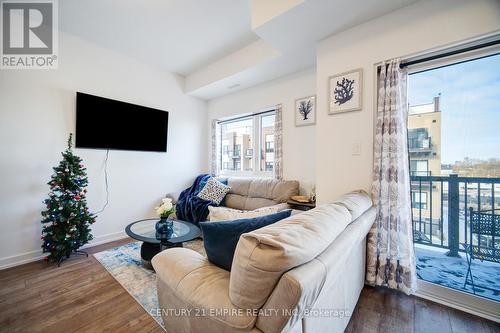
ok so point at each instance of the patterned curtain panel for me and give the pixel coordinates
(390, 255)
(214, 155)
(278, 143)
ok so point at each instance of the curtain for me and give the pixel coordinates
(214, 155)
(278, 143)
(390, 255)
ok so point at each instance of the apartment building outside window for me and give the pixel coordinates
(240, 138)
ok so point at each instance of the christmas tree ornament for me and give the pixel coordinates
(66, 221)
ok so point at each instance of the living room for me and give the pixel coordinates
(250, 166)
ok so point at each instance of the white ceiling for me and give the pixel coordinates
(177, 35)
(211, 42)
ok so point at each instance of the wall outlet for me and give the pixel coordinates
(356, 149)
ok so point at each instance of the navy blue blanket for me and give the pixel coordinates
(190, 207)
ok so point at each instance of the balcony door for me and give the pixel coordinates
(454, 150)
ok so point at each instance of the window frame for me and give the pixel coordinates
(419, 204)
(257, 143)
(417, 172)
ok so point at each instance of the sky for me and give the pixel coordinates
(470, 106)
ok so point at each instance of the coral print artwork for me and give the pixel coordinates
(305, 111)
(345, 93)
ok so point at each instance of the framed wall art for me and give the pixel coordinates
(305, 111)
(345, 91)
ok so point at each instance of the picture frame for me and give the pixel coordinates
(305, 111)
(345, 91)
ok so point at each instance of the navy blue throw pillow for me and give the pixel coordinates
(220, 238)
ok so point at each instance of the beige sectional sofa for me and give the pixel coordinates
(253, 193)
(301, 274)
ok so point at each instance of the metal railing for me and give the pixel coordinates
(419, 143)
(444, 221)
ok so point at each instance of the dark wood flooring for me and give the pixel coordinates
(81, 296)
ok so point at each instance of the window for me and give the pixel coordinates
(237, 150)
(453, 142)
(267, 138)
(419, 168)
(419, 200)
(236, 135)
(247, 145)
(269, 145)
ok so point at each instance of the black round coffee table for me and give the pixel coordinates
(144, 230)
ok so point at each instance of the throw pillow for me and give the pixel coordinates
(227, 214)
(203, 182)
(214, 191)
(220, 238)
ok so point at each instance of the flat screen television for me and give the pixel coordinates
(104, 123)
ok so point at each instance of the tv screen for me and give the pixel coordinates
(104, 123)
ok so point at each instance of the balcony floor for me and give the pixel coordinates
(434, 266)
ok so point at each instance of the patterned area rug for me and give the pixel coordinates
(125, 265)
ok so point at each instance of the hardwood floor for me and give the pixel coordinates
(81, 296)
(383, 310)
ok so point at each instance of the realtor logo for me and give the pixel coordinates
(29, 34)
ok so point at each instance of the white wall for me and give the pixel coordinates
(413, 29)
(37, 111)
(298, 142)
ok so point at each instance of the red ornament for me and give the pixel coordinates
(77, 197)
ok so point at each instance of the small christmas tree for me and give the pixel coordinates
(66, 221)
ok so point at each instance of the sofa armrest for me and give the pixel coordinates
(295, 293)
(174, 196)
(194, 294)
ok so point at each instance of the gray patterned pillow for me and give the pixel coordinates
(214, 191)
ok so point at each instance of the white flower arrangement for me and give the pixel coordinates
(166, 208)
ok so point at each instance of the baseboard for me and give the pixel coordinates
(27, 257)
(459, 300)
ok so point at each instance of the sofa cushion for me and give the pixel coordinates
(220, 238)
(263, 255)
(252, 193)
(214, 191)
(226, 213)
(357, 202)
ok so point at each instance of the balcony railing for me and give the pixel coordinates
(443, 222)
(419, 145)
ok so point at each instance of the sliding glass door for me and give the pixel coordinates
(454, 148)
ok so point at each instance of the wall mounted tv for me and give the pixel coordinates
(104, 123)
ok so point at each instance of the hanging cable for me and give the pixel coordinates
(105, 182)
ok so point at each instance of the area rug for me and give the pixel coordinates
(125, 265)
